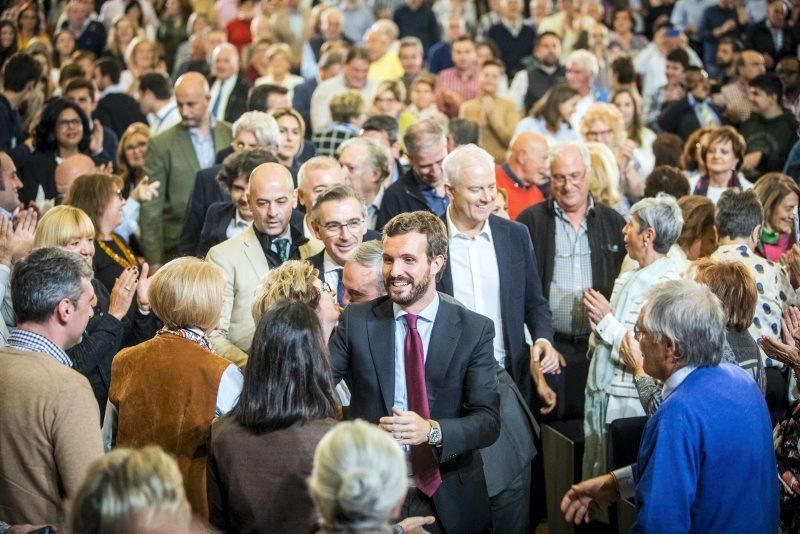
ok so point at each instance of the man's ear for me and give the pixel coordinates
(64, 311)
(437, 264)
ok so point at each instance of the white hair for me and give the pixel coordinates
(359, 476)
(664, 216)
(461, 158)
(585, 59)
(262, 125)
(561, 148)
(313, 164)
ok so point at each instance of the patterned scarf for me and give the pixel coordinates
(701, 187)
(192, 334)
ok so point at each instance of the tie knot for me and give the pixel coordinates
(411, 321)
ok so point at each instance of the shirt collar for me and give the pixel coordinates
(113, 88)
(7, 214)
(378, 198)
(32, 342)
(560, 212)
(237, 219)
(453, 231)
(194, 131)
(429, 313)
(328, 264)
(675, 380)
(166, 110)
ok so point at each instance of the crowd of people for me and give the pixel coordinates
(330, 266)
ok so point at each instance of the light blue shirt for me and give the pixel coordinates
(425, 327)
(204, 148)
(689, 12)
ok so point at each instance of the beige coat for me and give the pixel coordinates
(49, 434)
(496, 129)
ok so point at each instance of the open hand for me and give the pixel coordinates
(597, 306)
(584, 499)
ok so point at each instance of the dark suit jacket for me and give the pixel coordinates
(118, 111)
(301, 101)
(206, 191)
(604, 227)
(759, 38)
(522, 301)
(215, 226)
(237, 102)
(401, 197)
(680, 119)
(460, 375)
(40, 170)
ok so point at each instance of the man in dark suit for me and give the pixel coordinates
(422, 187)
(88, 34)
(694, 110)
(229, 86)
(578, 245)
(491, 264)
(421, 365)
(771, 36)
(250, 131)
(339, 218)
(115, 109)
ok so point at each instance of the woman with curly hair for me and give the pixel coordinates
(604, 123)
(692, 163)
(722, 158)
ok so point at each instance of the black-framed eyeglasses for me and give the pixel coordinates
(333, 228)
(573, 178)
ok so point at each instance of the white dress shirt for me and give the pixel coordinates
(236, 226)
(476, 279)
(331, 271)
(223, 90)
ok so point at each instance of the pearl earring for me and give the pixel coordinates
(646, 244)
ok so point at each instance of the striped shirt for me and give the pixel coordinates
(31, 342)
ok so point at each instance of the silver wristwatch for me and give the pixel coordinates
(435, 434)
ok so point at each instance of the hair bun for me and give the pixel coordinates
(359, 490)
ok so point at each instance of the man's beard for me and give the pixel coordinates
(416, 293)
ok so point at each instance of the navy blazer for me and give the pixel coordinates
(301, 101)
(461, 380)
(403, 196)
(205, 192)
(679, 118)
(237, 102)
(215, 226)
(522, 301)
(118, 111)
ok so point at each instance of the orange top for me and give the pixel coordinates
(519, 196)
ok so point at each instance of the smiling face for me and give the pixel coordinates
(624, 102)
(9, 194)
(473, 194)
(69, 129)
(489, 79)
(333, 227)
(291, 138)
(407, 273)
(327, 309)
(80, 314)
(569, 180)
(135, 150)
(239, 198)
(83, 246)
(422, 95)
(782, 217)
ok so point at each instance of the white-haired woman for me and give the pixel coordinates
(611, 394)
(359, 481)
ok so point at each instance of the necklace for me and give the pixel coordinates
(128, 261)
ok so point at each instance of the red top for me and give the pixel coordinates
(519, 196)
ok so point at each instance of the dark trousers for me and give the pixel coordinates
(570, 384)
(511, 507)
(417, 504)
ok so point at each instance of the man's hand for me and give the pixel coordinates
(548, 357)
(413, 525)
(585, 498)
(408, 428)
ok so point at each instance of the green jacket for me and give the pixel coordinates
(171, 160)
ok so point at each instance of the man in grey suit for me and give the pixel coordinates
(421, 365)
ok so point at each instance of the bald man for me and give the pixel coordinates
(247, 257)
(382, 47)
(229, 85)
(70, 168)
(524, 175)
(173, 158)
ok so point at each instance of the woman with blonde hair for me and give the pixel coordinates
(279, 59)
(129, 491)
(176, 369)
(116, 322)
(130, 155)
(390, 97)
(123, 32)
(359, 480)
(141, 56)
(604, 123)
(779, 196)
(604, 184)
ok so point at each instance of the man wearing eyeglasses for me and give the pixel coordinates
(578, 245)
(339, 218)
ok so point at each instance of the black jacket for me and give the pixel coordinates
(118, 111)
(759, 38)
(237, 102)
(679, 118)
(604, 226)
(402, 196)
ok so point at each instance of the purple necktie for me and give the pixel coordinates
(423, 464)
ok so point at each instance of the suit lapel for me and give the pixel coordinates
(381, 347)
(445, 283)
(188, 150)
(444, 336)
(254, 253)
(502, 249)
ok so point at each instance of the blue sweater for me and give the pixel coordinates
(706, 462)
